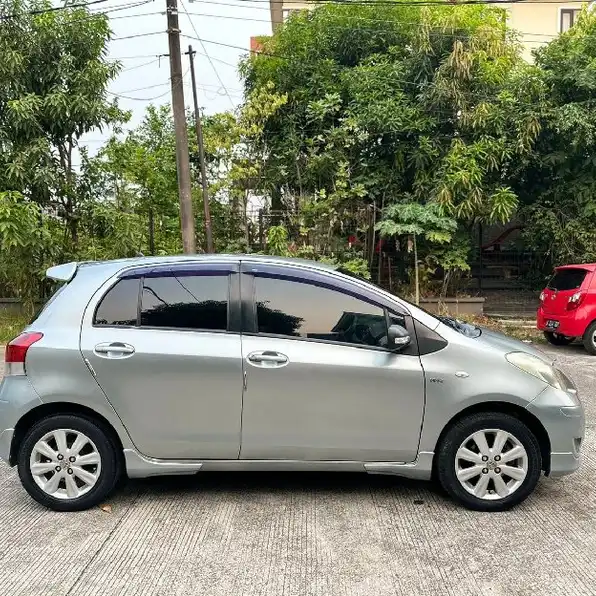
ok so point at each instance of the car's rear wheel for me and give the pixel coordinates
(556, 339)
(68, 463)
(489, 461)
(590, 339)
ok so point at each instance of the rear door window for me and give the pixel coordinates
(186, 302)
(567, 279)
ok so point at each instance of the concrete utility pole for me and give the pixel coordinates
(199, 127)
(187, 221)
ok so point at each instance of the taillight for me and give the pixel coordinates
(575, 300)
(16, 352)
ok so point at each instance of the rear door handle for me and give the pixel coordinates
(267, 358)
(114, 350)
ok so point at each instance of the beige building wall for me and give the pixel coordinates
(536, 21)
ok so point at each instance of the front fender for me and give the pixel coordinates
(487, 379)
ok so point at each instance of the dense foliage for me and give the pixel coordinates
(559, 184)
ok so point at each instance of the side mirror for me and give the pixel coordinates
(399, 338)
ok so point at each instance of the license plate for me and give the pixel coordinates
(552, 324)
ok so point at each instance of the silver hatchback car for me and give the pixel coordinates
(177, 365)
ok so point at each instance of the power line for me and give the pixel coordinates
(124, 6)
(50, 9)
(135, 15)
(137, 35)
(139, 65)
(142, 88)
(138, 57)
(397, 3)
(213, 57)
(207, 54)
(121, 95)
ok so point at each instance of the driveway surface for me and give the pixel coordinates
(301, 534)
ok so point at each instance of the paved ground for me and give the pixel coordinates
(303, 534)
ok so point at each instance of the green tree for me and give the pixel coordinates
(397, 103)
(25, 245)
(558, 186)
(415, 220)
(53, 89)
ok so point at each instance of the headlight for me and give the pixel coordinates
(538, 368)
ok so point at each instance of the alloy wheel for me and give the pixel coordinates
(491, 464)
(65, 464)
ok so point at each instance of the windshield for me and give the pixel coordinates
(464, 328)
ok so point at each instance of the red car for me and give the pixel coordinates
(568, 306)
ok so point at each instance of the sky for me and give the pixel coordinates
(145, 76)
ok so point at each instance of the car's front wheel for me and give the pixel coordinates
(556, 339)
(68, 463)
(489, 461)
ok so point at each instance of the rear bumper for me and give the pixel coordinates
(17, 397)
(571, 325)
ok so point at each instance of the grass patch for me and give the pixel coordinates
(11, 324)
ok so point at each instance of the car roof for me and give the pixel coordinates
(216, 257)
(66, 271)
(586, 266)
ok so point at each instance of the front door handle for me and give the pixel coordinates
(267, 358)
(114, 350)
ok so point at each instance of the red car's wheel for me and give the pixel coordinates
(557, 339)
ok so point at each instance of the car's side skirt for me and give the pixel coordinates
(140, 466)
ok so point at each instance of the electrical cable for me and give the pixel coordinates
(198, 37)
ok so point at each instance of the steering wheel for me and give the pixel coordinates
(363, 335)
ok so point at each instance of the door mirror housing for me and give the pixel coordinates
(399, 338)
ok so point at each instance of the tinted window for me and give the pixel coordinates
(119, 305)
(567, 279)
(303, 310)
(188, 302)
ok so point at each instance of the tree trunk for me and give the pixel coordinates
(276, 206)
(416, 277)
(151, 232)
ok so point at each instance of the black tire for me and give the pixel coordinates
(457, 434)
(589, 339)
(557, 339)
(111, 463)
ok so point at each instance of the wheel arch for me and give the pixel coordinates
(518, 412)
(592, 322)
(50, 409)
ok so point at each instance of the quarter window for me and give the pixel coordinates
(186, 302)
(119, 306)
(296, 309)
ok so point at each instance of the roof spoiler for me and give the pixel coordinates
(63, 272)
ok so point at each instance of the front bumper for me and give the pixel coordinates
(563, 418)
